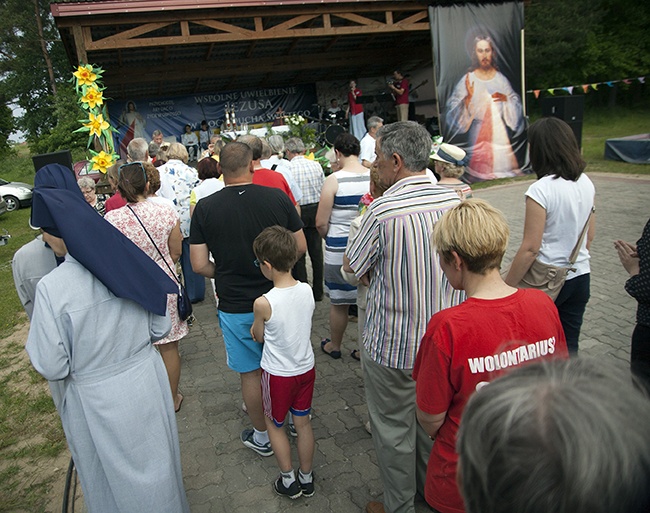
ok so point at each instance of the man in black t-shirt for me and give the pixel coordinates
(225, 225)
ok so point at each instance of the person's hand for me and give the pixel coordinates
(253, 335)
(470, 90)
(499, 97)
(628, 255)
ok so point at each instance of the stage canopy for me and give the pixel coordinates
(160, 48)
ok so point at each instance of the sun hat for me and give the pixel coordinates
(451, 154)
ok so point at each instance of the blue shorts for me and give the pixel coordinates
(243, 354)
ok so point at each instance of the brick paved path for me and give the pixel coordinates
(221, 475)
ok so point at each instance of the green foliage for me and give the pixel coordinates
(62, 135)
(24, 75)
(583, 41)
(7, 126)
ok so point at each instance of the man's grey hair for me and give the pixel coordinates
(153, 149)
(295, 145)
(276, 142)
(156, 132)
(254, 143)
(138, 150)
(374, 122)
(266, 149)
(566, 436)
(409, 140)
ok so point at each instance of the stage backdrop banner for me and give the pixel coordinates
(477, 51)
(253, 106)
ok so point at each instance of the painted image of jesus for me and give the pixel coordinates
(485, 106)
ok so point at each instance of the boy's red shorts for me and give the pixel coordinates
(281, 394)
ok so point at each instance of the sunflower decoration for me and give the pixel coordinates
(89, 88)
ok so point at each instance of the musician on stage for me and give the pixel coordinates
(357, 127)
(400, 91)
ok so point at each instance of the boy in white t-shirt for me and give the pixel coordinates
(283, 322)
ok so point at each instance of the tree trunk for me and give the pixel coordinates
(46, 55)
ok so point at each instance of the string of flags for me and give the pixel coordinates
(585, 87)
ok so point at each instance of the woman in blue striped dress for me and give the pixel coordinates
(337, 208)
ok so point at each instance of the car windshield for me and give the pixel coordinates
(3, 182)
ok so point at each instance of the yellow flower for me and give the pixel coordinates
(85, 75)
(102, 161)
(93, 97)
(96, 124)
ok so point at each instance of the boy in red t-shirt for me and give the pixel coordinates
(496, 328)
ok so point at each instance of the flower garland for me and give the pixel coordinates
(100, 132)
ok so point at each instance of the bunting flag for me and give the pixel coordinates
(585, 87)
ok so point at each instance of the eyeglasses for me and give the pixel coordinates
(139, 164)
(257, 263)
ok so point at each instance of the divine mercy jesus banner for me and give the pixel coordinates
(478, 69)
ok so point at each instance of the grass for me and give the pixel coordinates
(601, 125)
(30, 433)
(30, 429)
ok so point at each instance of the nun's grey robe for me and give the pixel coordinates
(117, 410)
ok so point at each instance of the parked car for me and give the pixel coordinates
(16, 194)
(3, 206)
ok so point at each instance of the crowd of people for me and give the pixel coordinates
(466, 371)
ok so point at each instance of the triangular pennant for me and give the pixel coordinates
(627, 81)
(585, 87)
(536, 93)
(642, 80)
(551, 91)
(595, 86)
(610, 84)
(570, 89)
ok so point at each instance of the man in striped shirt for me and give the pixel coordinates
(393, 254)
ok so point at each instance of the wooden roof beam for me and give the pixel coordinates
(238, 67)
(113, 44)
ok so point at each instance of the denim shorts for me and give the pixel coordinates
(243, 354)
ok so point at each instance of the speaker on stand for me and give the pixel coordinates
(567, 108)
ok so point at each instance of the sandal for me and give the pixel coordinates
(356, 354)
(334, 354)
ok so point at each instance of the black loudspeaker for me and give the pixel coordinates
(63, 157)
(566, 108)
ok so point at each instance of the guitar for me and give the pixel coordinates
(411, 89)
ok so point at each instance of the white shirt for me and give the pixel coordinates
(567, 206)
(367, 148)
(283, 167)
(189, 139)
(287, 333)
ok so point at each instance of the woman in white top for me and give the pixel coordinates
(557, 207)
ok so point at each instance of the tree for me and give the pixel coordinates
(32, 65)
(6, 127)
(583, 41)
